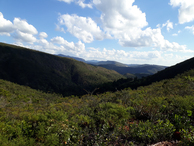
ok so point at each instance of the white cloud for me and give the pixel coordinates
(70, 46)
(125, 22)
(23, 37)
(83, 5)
(186, 10)
(6, 26)
(67, 1)
(43, 35)
(79, 2)
(20, 30)
(43, 42)
(122, 56)
(168, 24)
(176, 34)
(122, 21)
(190, 28)
(58, 28)
(24, 27)
(59, 45)
(150, 38)
(120, 15)
(83, 28)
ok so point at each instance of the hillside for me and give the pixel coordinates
(174, 70)
(167, 73)
(51, 73)
(76, 58)
(140, 69)
(135, 70)
(115, 63)
(162, 111)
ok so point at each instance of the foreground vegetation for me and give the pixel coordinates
(161, 111)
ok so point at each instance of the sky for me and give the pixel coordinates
(128, 31)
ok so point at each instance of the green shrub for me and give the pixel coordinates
(147, 132)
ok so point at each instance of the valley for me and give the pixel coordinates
(50, 100)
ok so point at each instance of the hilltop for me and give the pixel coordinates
(51, 73)
(167, 73)
(128, 70)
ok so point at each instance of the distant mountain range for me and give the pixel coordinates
(51, 73)
(167, 73)
(124, 69)
(67, 76)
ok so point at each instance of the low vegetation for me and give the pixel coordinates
(162, 111)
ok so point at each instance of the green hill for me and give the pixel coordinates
(50, 73)
(115, 63)
(162, 111)
(167, 73)
(141, 69)
(130, 71)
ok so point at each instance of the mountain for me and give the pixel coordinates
(173, 71)
(167, 73)
(51, 73)
(92, 62)
(160, 112)
(115, 63)
(76, 58)
(135, 70)
(140, 69)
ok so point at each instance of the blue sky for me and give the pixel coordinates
(129, 31)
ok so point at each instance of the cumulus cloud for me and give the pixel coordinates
(24, 27)
(190, 28)
(67, 1)
(20, 29)
(121, 55)
(43, 35)
(174, 34)
(59, 28)
(23, 37)
(186, 10)
(150, 38)
(43, 42)
(6, 26)
(83, 5)
(79, 2)
(70, 46)
(120, 15)
(168, 24)
(83, 28)
(122, 21)
(125, 22)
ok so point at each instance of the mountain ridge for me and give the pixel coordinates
(146, 69)
(49, 72)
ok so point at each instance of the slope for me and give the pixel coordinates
(167, 73)
(162, 111)
(50, 73)
(141, 69)
(132, 69)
